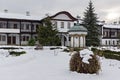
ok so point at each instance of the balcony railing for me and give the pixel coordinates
(6, 30)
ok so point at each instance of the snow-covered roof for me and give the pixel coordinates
(116, 26)
(19, 16)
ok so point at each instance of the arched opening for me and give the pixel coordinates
(64, 39)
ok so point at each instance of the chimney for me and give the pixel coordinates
(6, 11)
(27, 13)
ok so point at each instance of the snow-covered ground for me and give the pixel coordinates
(50, 65)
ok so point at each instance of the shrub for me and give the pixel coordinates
(10, 48)
(76, 64)
(14, 53)
(97, 52)
(52, 48)
(76, 49)
(107, 54)
(66, 50)
(31, 42)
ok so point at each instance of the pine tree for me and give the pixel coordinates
(90, 22)
(46, 34)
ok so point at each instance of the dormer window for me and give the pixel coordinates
(62, 24)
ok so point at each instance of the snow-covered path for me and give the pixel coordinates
(45, 65)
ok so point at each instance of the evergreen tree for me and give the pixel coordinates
(90, 22)
(47, 35)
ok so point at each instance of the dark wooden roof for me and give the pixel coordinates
(66, 13)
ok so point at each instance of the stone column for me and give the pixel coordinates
(71, 41)
(62, 40)
(84, 41)
(67, 41)
(79, 40)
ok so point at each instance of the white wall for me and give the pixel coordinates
(62, 16)
(65, 29)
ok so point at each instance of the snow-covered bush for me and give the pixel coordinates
(107, 53)
(15, 53)
(84, 62)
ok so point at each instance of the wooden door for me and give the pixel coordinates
(9, 40)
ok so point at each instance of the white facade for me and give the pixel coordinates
(110, 35)
(17, 29)
(63, 21)
(66, 25)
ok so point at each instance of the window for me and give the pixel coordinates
(37, 26)
(5, 24)
(2, 38)
(62, 24)
(112, 33)
(35, 37)
(69, 38)
(104, 34)
(9, 25)
(22, 26)
(15, 26)
(117, 42)
(33, 27)
(106, 42)
(1, 25)
(25, 38)
(113, 42)
(109, 42)
(27, 27)
(69, 25)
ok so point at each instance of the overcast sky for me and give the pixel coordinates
(106, 9)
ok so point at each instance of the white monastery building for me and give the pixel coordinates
(17, 29)
(110, 35)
